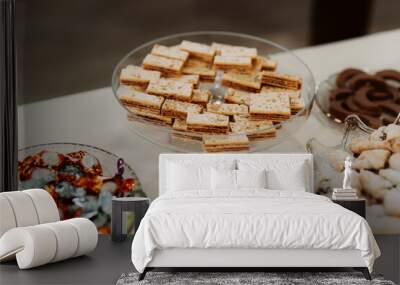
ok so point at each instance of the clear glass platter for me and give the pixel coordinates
(288, 63)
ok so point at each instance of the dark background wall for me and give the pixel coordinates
(71, 46)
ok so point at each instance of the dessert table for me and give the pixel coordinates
(96, 118)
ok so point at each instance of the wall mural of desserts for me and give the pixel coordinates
(82, 179)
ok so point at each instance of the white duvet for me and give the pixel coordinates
(252, 218)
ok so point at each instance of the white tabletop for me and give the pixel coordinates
(96, 118)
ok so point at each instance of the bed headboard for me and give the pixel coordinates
(167, 157)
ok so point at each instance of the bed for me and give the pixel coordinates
(247, 211)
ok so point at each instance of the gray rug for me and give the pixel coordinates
(233, 278)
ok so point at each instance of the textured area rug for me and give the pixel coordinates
(233, 278)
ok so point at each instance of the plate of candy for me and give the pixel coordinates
(82, 179)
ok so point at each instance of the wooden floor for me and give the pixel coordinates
(103, 266)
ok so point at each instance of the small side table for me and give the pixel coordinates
(357, 205)
(137, 205)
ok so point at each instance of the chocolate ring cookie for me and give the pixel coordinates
(346, 75)
(389, 74)
(374, 98)
(340, 94)
(360, 80)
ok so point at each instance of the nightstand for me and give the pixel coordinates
(357, 206)
(137, 205)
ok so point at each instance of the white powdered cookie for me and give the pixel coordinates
(360, 144)
(169, 52)
(394, 161)
(392, 131)
(391, 175)
(391, 202)
(231, 50)
(228, 109)
(165, 65)
(374, 185)
(395, 145)
(372, 159)
(135, 75)
(201, 51)
(237, 97)
(170, 88)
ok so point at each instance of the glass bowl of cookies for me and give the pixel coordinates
(82, 179)
(373, 96)
(214, 92)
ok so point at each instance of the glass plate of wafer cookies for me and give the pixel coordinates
(168, 88)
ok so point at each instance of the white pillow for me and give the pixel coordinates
(182, 177)
(251, 178)
(292, 179)
(281, 174)
(223, 179)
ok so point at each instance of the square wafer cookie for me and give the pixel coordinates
(142, 100)
(180, 131)
(136, 75)
(167, 66)
(187, 78)
(198, 50)
(228, 109)
(169, 52)
(232, 50)
(224, 143)
(170, 88)
(179, 109)
(201, 68)
(207, 123)
(247, 82)
(148, 116)
(201, 97)
(272, 89)
(237, 97)
(228, 62)
(268, 64)
(270, 106)
(253, 129)
(281, 80)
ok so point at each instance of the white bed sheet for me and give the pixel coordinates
(251, 218)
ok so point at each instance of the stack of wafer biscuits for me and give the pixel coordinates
(137, 76)
(208, 123)
(237, 97)
(225, 143)
(254, 130)
(142, 101)
(168, 89)
(228, 109)
(281, 80)
(270, 106)
(178, 109)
